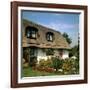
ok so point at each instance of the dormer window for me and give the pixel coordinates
(49, 36)
(31, 32)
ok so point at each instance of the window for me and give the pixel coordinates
(31, 32)
(49, 36)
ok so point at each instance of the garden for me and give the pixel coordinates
(53, 66)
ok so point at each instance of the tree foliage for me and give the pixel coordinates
(74, 51)
(68, 39)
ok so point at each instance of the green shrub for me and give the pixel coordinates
(33, 61)
(70, 66)
(41, 63)
(56, 63)
(48, 63)
(67, 66)
(26, 55)
(24, 63)
(45, 63)
(76, 66)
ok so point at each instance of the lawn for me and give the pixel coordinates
(29, 72)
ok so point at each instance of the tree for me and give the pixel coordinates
(68, 39)
(74, 51)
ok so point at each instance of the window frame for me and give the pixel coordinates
(49, 35)
(30, 30)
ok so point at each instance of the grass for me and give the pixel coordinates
(29, 72)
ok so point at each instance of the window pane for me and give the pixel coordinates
(50, 37)
(33, 35)
(31, 32)
(28, 33)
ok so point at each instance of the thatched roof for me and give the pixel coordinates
(41, 41)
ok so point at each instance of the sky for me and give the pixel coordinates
(62, 22)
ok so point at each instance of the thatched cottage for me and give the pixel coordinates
(43, 42)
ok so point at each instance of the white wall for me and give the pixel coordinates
(41, 55)
(5, 47)
(65, 54)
